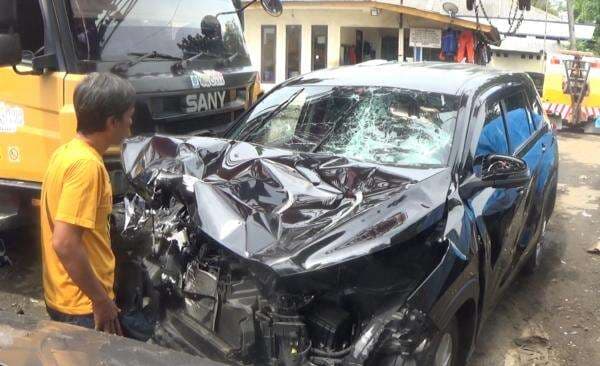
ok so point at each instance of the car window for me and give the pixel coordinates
(517, 120)
(375, 124)
(493, 135)
(537, 114)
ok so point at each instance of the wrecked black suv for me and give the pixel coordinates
(365, 215)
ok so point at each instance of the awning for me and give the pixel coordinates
(490, 32)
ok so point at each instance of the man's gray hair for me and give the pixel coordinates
(98, 97)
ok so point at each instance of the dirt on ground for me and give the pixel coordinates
(549, 318)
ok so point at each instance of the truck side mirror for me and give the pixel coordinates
(8, 14)
(10, 49)
(272, 7)
(10, 43)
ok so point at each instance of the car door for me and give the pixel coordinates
(497, 212)
(525, 143)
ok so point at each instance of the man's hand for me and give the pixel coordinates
(106, 316)
(71, 253)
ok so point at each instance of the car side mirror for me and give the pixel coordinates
(497, 171)
(502, 171)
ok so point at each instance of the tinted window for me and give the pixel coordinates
(319, 47)
(518, 124)
(537, 114)
(493, 135)
(267, 53)
(115, 30)
(293, 34)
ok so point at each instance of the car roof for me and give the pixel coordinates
(436, 77)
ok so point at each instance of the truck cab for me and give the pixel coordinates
(187, 60)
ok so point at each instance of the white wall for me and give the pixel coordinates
(334, 19)
(514, 62)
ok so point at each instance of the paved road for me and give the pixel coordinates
(549, 318)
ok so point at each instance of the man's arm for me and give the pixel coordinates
(67, 243)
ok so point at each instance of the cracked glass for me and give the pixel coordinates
(374, 124)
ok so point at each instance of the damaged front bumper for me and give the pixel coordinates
(246, 254)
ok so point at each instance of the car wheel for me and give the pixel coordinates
(443, 351)
(446, 347)
(534, 260)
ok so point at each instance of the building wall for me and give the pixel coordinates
(514, 62)
(334, 19)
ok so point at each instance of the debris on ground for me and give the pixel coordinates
(4, 260)
(595, 249)
(18, 309)
(583, 177)
(562, 188)
(532, 349)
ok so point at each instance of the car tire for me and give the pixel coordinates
(535, 257)
(445, 346)
(444, 350)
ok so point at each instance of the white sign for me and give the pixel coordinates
(11, 118)
(425, 37)
(207, 79)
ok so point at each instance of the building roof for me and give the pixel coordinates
(498, 11)
(392, 6)
(528, 45)
(435, 77)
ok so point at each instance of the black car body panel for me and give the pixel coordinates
(268, 255)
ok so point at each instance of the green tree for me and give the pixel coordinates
(588, 11)
(541, 4)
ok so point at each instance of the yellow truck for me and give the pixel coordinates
(187, 60)
(571, 91)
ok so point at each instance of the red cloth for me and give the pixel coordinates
(466, 47)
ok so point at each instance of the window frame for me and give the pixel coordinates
(513, 150)
(262, 53)
(313, 43)
(487, 102)
(287, 49)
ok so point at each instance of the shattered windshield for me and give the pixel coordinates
(113, 30)
(374, 124)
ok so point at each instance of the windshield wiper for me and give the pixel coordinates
(254, 124)
(122, 67)
(180, 66)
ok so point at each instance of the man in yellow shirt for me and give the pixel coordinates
(78, 263)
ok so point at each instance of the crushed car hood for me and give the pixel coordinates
(291, 211)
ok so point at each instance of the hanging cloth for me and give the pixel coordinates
(466, 47)
(449, 43)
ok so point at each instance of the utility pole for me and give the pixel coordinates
(571, 16)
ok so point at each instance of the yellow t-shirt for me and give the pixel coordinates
(76, 190)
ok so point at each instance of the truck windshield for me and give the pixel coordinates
(114, 30)
(375, 124)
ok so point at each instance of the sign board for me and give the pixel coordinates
(425, 37)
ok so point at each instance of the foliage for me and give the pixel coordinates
(588, 11)
(541, 4)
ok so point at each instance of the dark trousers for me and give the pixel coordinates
(86, 321)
